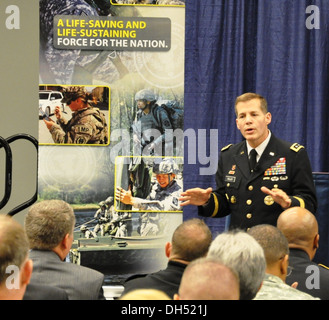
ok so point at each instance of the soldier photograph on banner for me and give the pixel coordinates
(111, 97)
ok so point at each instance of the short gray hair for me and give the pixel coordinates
(47, 223)
(241, 252)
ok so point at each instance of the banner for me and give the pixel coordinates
(111, 107)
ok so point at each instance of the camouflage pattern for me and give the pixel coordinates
(167, 166)
(68, 66)
(85, 127)
(157, 119)
(145, 94)
(161, 199)
(273, 288)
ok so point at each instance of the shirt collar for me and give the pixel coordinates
(260, 149)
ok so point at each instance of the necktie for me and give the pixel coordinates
(252, 159)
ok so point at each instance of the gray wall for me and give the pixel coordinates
(19, 82)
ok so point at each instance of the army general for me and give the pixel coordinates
(259, 177)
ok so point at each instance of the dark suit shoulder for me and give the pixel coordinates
(323, 266)
(44, 292)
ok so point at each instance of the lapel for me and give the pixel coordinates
(241, 160)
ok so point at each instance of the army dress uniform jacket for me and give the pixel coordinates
(282, 165)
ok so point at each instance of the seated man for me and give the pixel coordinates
(208, 279)
(276, 250)
(241, 252)
(49, 226)
(302, 232)
(190, 241)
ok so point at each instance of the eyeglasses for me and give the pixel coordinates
(289, 270)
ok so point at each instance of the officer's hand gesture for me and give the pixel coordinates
(279, 196)
(195, 196)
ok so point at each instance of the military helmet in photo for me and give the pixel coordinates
(145, 94)
(166, 166)
(73, 93)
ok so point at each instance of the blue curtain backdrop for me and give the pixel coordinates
(264, 46)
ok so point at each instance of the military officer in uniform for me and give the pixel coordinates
(87, 125)
(256, 193)
(164, 194)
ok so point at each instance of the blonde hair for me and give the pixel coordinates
(250, 96)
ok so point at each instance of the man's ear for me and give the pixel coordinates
(268, 117)
(176, 296)
(26, 272)
(284, 264)
(168, 247)
(65, 242)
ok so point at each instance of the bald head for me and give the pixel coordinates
(300, 228)
(208, 279)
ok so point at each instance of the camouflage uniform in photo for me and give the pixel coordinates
(102, 215)
(157, 119)
(87, 126)
(162, 199)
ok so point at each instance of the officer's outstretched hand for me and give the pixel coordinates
(279, 196)
(195, 196)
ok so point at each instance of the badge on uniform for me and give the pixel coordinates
(268, 200)
(278, 168)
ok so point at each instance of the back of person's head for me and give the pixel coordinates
(14, 248)
(191, 240)
(208, 279)
(145, 294)
(272, 240)
(300, 227)
(48, 222)
(242, 253)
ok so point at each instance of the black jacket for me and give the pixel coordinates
(238, 193)
(311, 277)
(167, 280)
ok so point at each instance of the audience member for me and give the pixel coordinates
(276, 250)
(145, 294)
(190, 241)
(241, 252)
(301, 230)
(15, 266)
(42, 292)
(208, 279)
(49, 226)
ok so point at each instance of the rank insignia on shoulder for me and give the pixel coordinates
(227, 147)
(296, 147)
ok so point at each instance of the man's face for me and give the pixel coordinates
(141, 104)
(252, 122)
(164, 179)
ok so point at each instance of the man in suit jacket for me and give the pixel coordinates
(280, 177)
(301, 230)
(42, 292)
(49, 226)
(190, 241)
